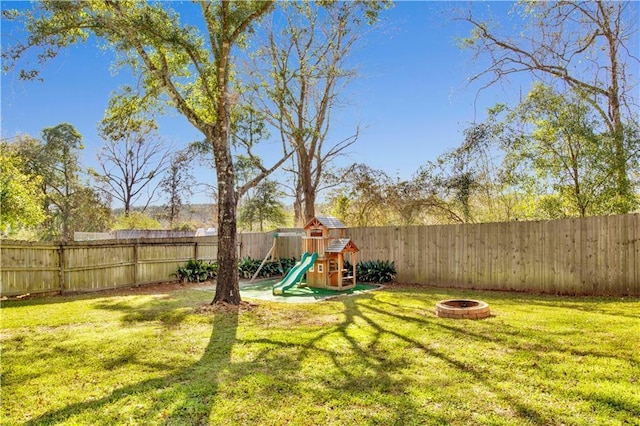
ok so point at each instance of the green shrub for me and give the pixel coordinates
(374, 271)
(195, 271)
(198, 270)
(287, 264)
(247, 267)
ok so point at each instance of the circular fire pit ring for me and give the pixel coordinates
(463, 309)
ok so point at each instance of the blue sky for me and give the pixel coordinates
(411, 102)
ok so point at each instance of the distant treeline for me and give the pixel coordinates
(200, 215)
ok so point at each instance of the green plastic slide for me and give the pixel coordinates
(296, 273)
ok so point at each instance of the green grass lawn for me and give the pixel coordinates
(381, 357)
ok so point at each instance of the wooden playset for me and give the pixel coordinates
(325, 247)
(326, 237)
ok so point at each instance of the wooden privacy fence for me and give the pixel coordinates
(590, 256)
(586, 256)
(256, 245)
(43, 267)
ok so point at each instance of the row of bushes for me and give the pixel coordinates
(196, 271)
(374, 271)
(248, 266)
(199, 270)
(371, 271)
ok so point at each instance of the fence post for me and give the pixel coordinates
(135, 263)
(61, 261)
(195, 250)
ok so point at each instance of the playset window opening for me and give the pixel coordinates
(316, 232)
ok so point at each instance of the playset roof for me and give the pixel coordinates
(342, 244)
(328, 222)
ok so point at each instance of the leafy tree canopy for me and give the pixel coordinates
(21, 199)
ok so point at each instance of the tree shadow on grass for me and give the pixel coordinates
(366, 343)
(368, 359)
(523, 335)
(539, 346)
(168, 312)
(366, 375)
(358, 385)
(475, 374)
(183, 397)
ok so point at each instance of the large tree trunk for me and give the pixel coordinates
(611, 28)
(305, 190)
(227, 288)
(623, 183)
(297, 204)
(309, 203)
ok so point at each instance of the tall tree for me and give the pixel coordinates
(264, 207)
(361, 199)
(586, 45)
(70, 205)
(183, 60)
(178, 183)
(303, 70)
(132, 162)
(564, 150)
(62, 144)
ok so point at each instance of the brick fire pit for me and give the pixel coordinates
(463, 309)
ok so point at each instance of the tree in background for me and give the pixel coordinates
(132, 161)
(68, 200)
(264, 207)
(69, 203)
(464, 183)
(544, 158)
(584, 45)
(185, 65)
(565, 153)
(302, 71)
(178, 183)
(21, 198)
(437, 193)
(247, 129)
(92, 211)
(361, 200)
(62, 144)
(136, 220)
